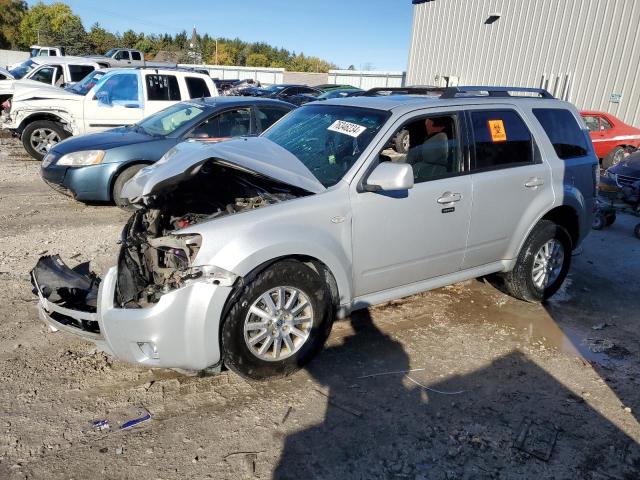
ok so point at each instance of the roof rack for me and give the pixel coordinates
(453, 92)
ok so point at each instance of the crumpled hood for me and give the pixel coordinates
(630, 166)
(256, 154)
(38, 90)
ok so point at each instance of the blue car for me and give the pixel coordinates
(95, 167)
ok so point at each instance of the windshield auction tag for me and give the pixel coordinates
(352, 129)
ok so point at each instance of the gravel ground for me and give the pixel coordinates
(500, 388)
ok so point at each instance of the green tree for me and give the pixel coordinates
(11, 14)
(101, 40)
(53, 24)
(257, 60)
(129, 39)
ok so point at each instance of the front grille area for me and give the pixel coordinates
(627, 181)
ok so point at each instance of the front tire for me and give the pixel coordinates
(40, 136)
(542, 264)
(614, 157)
(124, 176)
(279, 322)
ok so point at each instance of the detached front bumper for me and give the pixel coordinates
(180, 331)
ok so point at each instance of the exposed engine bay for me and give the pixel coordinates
(154, 258)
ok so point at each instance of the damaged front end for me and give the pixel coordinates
(155, 258)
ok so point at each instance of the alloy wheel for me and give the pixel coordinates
(547, 264)
(42, 139)
(278, 323)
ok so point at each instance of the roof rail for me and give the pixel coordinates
(452, 92)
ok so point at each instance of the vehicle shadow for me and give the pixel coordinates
(490, 423)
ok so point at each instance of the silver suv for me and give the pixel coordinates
(244, 252)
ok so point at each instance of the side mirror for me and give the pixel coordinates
(103, 98)
(389, 176)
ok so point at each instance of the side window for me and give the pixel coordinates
(59, 76)
(501, 139)
(269, 115)
(162, 87)
(604, 124)
(232, 123)
(564, 132)
(44, 75)
(307, 90)
(136, 56)
(120, 87)
(288, 92)
(78, 72)
(197, 87)
(433, 147)
(591, 122)
(122, 55)
(52, 53)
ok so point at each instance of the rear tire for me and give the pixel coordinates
(249, 356)
(124, 176)
(40, 136)
(613, 157)
(522, 281)
(598, 222)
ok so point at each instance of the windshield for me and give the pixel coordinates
(22, 69)
(336, 94)
(87, 83)
(328, 139)
(274, 88)
(110, 52)
(170, 119)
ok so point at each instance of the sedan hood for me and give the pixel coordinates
(106, 140)
(255, 154)
(40, 91)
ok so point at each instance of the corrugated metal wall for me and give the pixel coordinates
(7, 57)
(265, 75)
(581, 50)
(367, 79)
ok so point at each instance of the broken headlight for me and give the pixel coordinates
(82, 158)
(207, 273)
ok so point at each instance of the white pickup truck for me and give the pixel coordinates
(127, 57)
(56, 71)
(120, 97)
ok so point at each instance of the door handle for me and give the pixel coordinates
(534, 182)
(449, 197)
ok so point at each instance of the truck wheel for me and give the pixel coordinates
(613, 157)
(401, 141)
(279, 322)
(38, 137)
(542, 264)
(124, 176)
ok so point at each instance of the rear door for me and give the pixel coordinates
(160, 91)
(511, 183)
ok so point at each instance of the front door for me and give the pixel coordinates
(404, 237)
(116, 102)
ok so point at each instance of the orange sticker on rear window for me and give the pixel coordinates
(498, 133)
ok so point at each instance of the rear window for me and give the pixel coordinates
(501, 139)
(197, 87)
(162, 87)
(78, 72)
(564, 132)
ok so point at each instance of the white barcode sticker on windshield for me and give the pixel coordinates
(348, 128)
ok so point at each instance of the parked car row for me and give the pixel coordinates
(242, 252)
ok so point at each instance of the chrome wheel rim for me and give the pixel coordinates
(42, 139)
(618, 156)
(547, 264)
(278, 323)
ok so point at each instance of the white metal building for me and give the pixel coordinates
(584, 51)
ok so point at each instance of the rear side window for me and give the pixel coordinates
(197, 87)
(162, 87)
(269, 115)
(136, 56)
(501, 140)
(78, 72)
(564, 132)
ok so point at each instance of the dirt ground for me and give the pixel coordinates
(499, 388)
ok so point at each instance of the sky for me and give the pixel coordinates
(345, 32)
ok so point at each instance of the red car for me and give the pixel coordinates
(612, 138)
